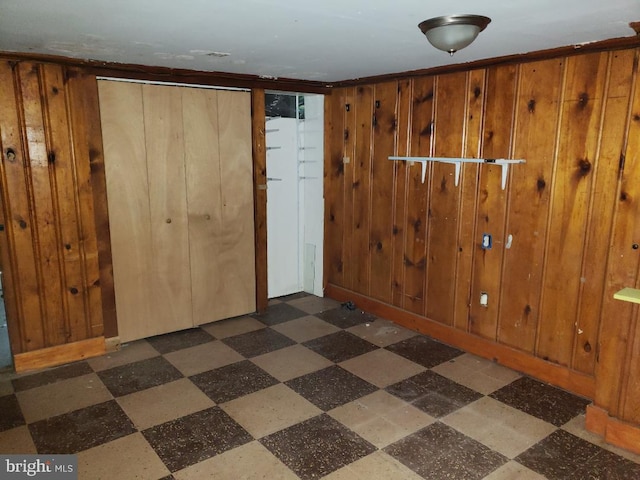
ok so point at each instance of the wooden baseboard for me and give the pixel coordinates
(59, 355)
(552, 373)
(616, 432)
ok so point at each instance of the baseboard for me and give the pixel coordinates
(59, 355)
(614, 431)
(548, 372)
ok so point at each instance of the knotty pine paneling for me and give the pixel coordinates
(565, 209)
(381, 231)
(49, 242)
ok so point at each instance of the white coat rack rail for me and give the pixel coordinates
(457, 162)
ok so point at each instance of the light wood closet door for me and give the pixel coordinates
(179, 186)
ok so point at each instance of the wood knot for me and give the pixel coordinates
(22, 224)
(587, 347)
(73, 290)
(395, 230)
(531, 105)
(11, 155)
(477, 92)
(67, 246)
(379, 246)
(583, 99)
(585, 166)
(527, 309)
(541, 184)
(623, 196)
(51, 157)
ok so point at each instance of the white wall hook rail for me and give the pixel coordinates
(457, 162)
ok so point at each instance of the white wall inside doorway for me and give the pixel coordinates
(295, 203)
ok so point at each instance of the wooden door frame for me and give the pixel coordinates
(259, 195)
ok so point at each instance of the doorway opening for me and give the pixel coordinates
(295, 201)
(6, 359)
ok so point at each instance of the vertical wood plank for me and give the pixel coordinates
(237, 253)
(416, 197)
(122, 118)
(204, 203)
(537, 114)
(44, 216)
(381, 213)
(260, 196)
(334, 180)
(400, 183)
(603, 198)
(25, 321)
(581, 116)
(361, 189)
(492, 205)
(475, 95)
(164, 144)
(62, 165)
(348, 141)
(445, 198)
(95, 245)
(622, 266)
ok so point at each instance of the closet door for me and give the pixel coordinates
(144, 166)
(180, 191)
(217, 127)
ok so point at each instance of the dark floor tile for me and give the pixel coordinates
(607, 465)
(316, 447)
(433, 393)
(10, 413)
(424, 351)
(564, 456)
(294, 296)
(51, 376)
(344, 318)
(340, 346)
(233, 381)
(258, 342)
(196, 437)
(541, 400)
(138, 376)
(439, 451)
(331, 387)
(171, 342)
(82, 429)
(279, 313)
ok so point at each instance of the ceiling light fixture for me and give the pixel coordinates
(453, 32)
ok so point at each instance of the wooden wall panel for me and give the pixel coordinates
(360, 234)
(50, 254)
(44, 212)
(94, 247)
(334, 184)
(415, 256)
(258, 125)
(576, 152)
(492, 205)
(348, 111)
(475, 96)
(400, 185)
(444, 207)
(380, 242)
(561, 228)
(603, 200)
(537, 113)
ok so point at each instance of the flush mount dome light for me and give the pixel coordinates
(453, 32)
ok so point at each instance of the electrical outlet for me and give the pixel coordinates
(487, 241)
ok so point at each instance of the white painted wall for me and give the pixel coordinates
(295, 202)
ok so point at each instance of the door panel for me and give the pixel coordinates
(237, 249)
(169, 274)
(204, 201)
(122, 118)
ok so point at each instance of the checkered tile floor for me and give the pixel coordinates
(308, 390)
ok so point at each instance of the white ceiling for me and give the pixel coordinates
(321, 40)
